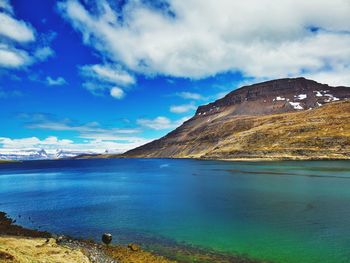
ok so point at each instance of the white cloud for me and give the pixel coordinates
(5, 5)
(190, 95)
(337, 76)
(161, 123)
(43, 53)
(15, 35)
(100, 77)
(108, 73)
(13, 58)
(158, 123)
(259, 38)
(32, 142)
(117, 93)
(55, 82)
(16, 30)
(182, 108)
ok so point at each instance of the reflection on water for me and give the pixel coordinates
(279, 211)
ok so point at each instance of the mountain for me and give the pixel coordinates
(37, 154)
(279, 119)
(63, 154)
(28, 154)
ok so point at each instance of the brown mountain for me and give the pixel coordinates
(279, 119)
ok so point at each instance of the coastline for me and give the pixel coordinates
(20, 244)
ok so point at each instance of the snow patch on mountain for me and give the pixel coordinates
(300, 96)
(330, 98)
(296, 105)
(279, 98)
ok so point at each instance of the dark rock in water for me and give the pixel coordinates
(107, 238)
(133, 247)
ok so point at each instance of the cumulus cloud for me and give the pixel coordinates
(55, 82)
(338, 75)
(259, 38)
(161, 123)
(182, 108)
(16, 30)
(11, 57)
(108, 73)
(117, 93)
(101, 77)
(15, 35)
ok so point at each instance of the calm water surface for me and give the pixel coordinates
(280, 211)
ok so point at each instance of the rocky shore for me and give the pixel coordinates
(19, 244)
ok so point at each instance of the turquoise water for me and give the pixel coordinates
(280, 211)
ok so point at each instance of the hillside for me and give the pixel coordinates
(280, 119)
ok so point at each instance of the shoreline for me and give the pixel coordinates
(20, 244)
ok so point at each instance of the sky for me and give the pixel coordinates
(91, 76)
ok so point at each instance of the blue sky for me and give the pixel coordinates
(82, 76)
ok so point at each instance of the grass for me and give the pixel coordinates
(26, 249)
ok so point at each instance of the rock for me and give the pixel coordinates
(107, 238)
(59, 239)
(133, 247)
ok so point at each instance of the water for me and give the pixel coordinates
(280, 211)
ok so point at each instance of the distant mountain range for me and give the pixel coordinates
(37, 154)
(279, 119)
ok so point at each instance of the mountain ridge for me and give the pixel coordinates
(281, 90)
(38, 154)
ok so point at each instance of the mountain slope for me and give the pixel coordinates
(280, 119)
